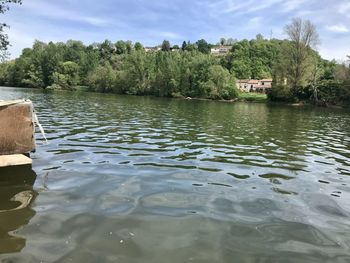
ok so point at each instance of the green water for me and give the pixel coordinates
(140, 179)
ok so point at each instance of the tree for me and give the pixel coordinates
(166, 45)
(303, 36)
(102, 79)
(222, 41)
(220, 84)
(230, 41)
(4, 43)
(184, 45)
(128, 46)
(259, 37)
(67, 76)
(138, 46)
(203, 46)
(121, 47)
(106, 50)
(191, 47)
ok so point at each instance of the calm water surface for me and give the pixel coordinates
(134, 179)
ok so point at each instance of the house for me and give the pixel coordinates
(153, 49)
(242, 85)
(220, 50)
(253, 85)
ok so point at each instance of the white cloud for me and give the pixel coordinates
(249, 6)
(291, 5)
(93, 20)
(339, 28)
(43, 8)
(171, 35)
(238, 7)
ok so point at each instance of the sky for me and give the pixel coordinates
(152, 21)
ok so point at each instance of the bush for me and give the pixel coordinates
(220, 84)
(103, 79)
(280, 93)
(333, 92)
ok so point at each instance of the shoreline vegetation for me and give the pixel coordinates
(299, 73)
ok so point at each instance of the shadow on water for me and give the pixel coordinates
(16, 197)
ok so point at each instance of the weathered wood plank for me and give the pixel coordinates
(14, 160)
(4, 103)
(16, 127)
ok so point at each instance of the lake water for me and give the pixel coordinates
(141, 179)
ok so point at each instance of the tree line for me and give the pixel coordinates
(123, 67)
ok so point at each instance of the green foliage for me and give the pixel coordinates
(4, 43)
(300, 73)
(138, 46)
(297, 61)
(281, 93)
(166, 45)
(252, 59)
(165, 74)
(102, 79)
(191, 47)
(222, 41)
(331, 92)
(124, 47)
(184, 45)
(124, 68)
(220, 84)
(252, 97)
(203, 46)
(67, 75)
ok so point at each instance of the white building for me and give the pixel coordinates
(220, 50)
(254, 85)
(153, 49)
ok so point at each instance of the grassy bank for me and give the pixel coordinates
(252, 97)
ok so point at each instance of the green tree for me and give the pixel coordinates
(102, 79)
(166, 45)
(303, 36)
(67, 76)
(106, 50)
(191, 47)
(138, 46)
(222, 41)
(4, 43)
(203, 46)
(230, 41)
(220, 84)
(184, 45)
(259, 37)
(121, 47)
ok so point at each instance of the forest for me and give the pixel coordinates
(124, 67)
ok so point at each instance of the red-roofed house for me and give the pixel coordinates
(254, 85)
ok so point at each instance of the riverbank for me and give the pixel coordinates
(242, 97)
(252, 97)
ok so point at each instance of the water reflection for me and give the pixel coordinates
(16, 197)
(136, 179)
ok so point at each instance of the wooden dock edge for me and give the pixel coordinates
(14, 160)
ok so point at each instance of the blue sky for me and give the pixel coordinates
(152, 21)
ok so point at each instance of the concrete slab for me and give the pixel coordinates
(14, 160)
